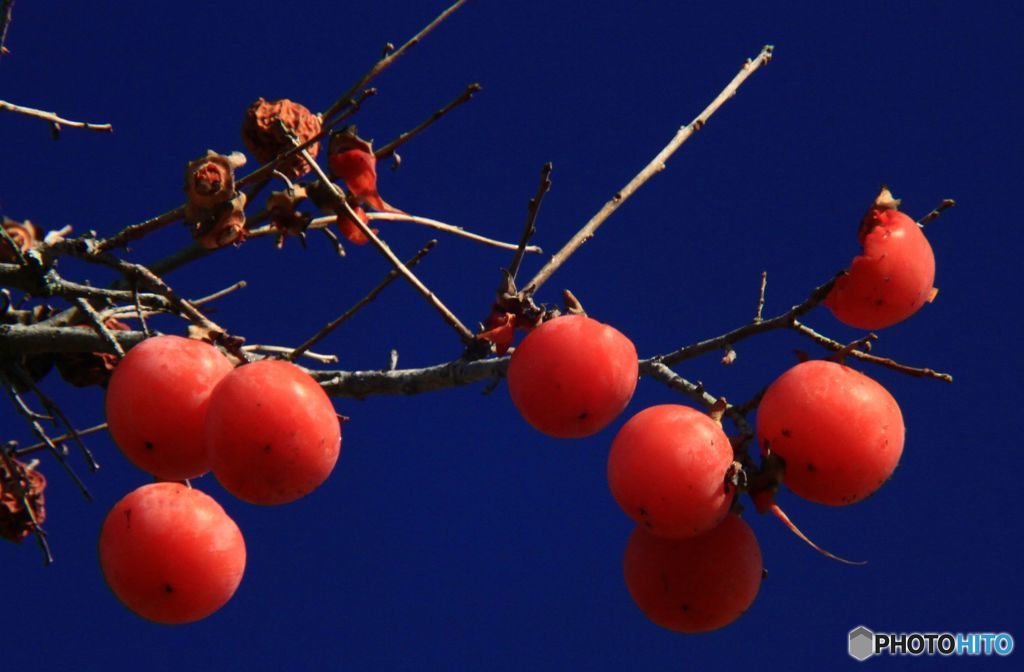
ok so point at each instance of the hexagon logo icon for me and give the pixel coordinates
(862, 643)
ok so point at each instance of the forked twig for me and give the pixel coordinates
(338, 321)
(339, 201)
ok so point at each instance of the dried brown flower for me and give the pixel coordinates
(20, 484)
(210, 181)
(24, 234)
(224, 225)
(265, 138)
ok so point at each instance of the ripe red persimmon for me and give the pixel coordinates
(667, 469)
(156, 403)
(571, 376)
(171, 554)
(892, 278)
(698, 584)
(839, 432)
(271, 432)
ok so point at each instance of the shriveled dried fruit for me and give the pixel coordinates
(284, 215)
(211, 180)
(264, 136)
(500, 330)
(349, 229)
(224, 226)
(351, 160)
(20, 484)
(24, 234)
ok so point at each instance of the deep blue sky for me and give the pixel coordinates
(452, 535)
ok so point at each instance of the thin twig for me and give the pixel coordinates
(782, 321)
(136, 231)
(388, 58)
(946, 204)
(40, 433)
(54, 120)
(241, 284)
(389, 149)
(55, 411)
(440, 226)
(759, 314)
(826, 342)
(282, 350)
(5, 22)
(662, 373)
(28, 450)
(92, 316)
(531, 219)
(338, 321)
(138, 310)
(656, 165)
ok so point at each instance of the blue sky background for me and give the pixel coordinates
(452, 535)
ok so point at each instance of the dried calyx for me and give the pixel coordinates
(215, 209)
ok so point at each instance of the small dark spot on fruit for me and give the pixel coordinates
(583, 415)
(648, 525)
(810, 467)
(785, 432)
(128, 517)
(879, 302)
(686, 607)
(664, 581)
(643, 511)
(149, 445)
(267, 448)
(168, 588)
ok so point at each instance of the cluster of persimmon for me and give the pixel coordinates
(266, 430)
(831, 434)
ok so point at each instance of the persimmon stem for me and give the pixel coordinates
(946, 204)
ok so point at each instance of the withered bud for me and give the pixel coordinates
(24, 234)
(224, 225)
(84, 369)
(211, 180)
(20, 484)
(264, 136)
(284, 215)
